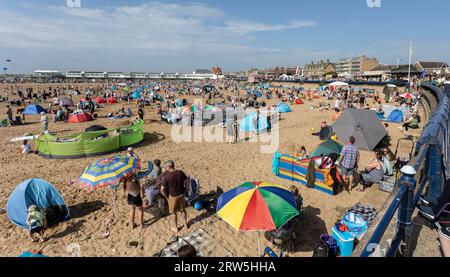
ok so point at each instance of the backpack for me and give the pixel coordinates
(322, 250)
(333, 248)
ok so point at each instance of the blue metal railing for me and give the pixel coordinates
(432, 153)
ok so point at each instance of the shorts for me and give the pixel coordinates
(347, 172)
(177, 204)
(134, 200)
(36, 230)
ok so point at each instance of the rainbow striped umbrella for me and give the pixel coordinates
(107, 172)
(257, 206)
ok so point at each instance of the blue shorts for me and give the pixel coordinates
(347, 172)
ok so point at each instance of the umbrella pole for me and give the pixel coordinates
(114, 203)
(259, 246)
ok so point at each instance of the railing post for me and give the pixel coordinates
(404, 220)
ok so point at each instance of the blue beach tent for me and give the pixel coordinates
(396, 116)
(136, 95)
(33, 110)
(40, 193)
(248, 123)
(284, 108)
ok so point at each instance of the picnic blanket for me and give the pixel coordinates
(199, 239)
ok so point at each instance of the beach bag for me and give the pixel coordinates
(332, 245)
(321, 251)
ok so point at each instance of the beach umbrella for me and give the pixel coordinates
(257, 206)
(339, 84)
(107, 172)
(364, 125)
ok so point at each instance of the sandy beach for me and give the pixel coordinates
(214, 164)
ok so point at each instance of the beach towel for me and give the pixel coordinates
(199, 239)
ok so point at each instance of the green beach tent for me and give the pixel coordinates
(326, 148)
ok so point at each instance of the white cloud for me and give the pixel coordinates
(153, 29)
(244, 28)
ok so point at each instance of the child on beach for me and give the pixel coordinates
(37, 222)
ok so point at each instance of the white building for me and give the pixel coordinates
(200, 74)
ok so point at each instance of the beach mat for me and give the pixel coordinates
(200, 240)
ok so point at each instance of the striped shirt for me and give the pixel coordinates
(349, 154)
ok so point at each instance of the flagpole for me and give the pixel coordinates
(409, 65)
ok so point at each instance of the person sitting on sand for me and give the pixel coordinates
(135, 193)
(173, 187)
(336, 115)
(37, 223)
(323, 125)
(297, 196)
(374, 171)
(25, 148)
(302, 153)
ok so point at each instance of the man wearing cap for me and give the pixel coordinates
(173, 187)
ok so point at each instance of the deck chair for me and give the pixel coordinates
(193, 191)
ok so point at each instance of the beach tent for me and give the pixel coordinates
(298, 102)
(396, 116)
(112, 100)
(283, 108)
(88, 144)
(33, 110)
(248, 123)
(326, 148)
(40, 193)
(79, 117)
(100, 100)
(364, 125)
(136, 95)
(388, 109)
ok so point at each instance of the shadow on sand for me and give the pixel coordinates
(83, 209)
(308, 230)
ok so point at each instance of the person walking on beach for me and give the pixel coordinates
(44, 122)
(9, 116)
(135, 193)
(348, 161)
(173, 187)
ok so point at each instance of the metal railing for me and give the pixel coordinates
(432, 167)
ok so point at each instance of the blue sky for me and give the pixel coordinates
(180, 36)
